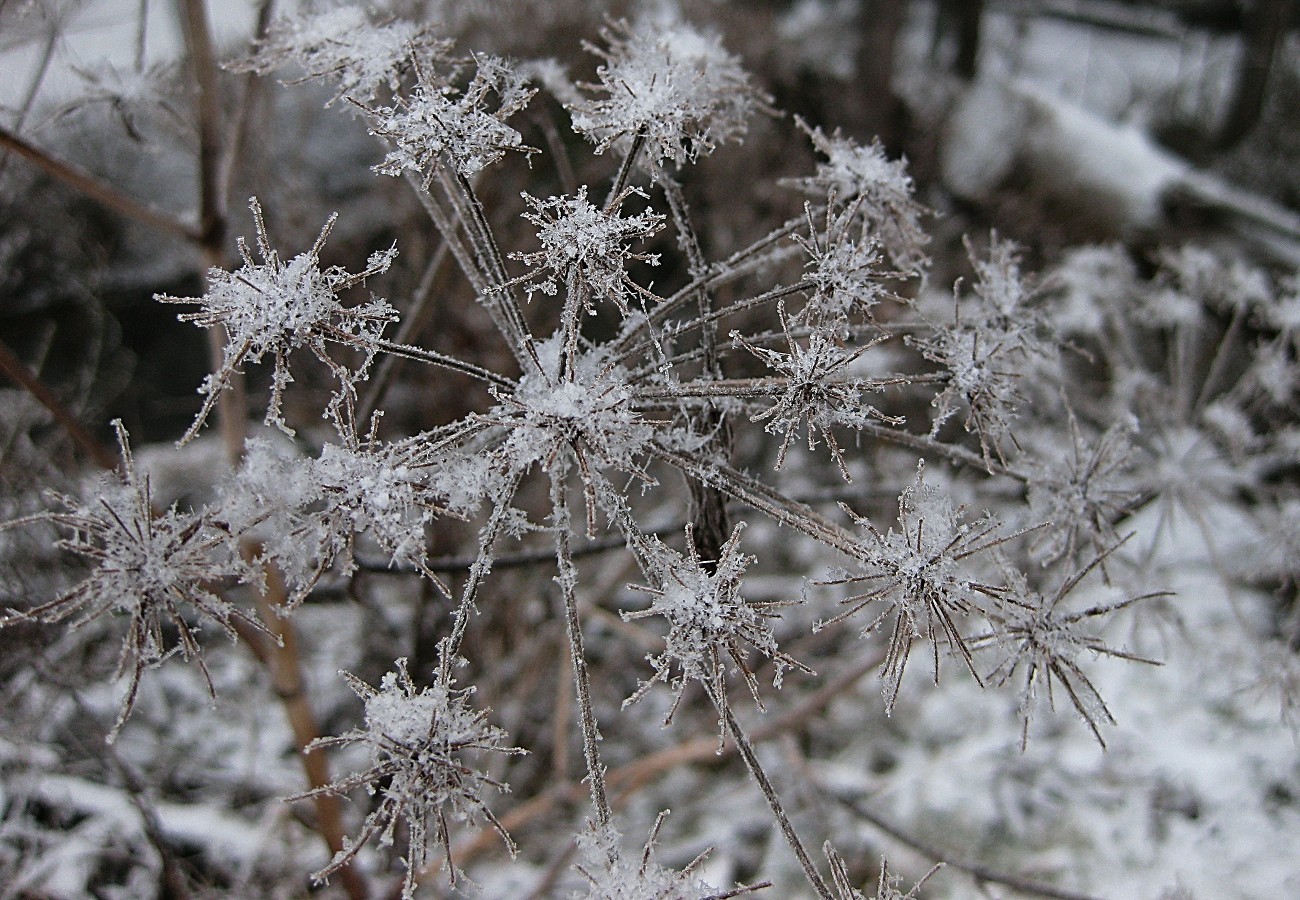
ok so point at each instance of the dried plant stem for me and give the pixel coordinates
(450, 231)
(282, 661)
(573, 627)
(449, 647)
(746, 750)
(979, 872)
(202, 55)
(951, 452)
(414, 320)
(761, 497)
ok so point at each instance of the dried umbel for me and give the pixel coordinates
(669, 85)
(709, 623)
(275, 307)
(621, 396)
(420, 741)
(158, 569)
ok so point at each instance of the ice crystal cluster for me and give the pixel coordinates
(685, 393)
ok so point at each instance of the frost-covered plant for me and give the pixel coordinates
(418, 740)
(614, 393)
(1044, 640)
(274, 307)
(920, 576)
(886, 887)
(348, 47)
(873, 192)
(611, 875)
(159, 570)
(437, 125)
(669, 85)
(709, 623)
(583, 242)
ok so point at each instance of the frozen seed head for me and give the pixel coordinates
(273, 308)
(157, 570)
(669, 84)
(877, 190)
(709, 622)
(613, 874)
(1043, 640)
(344, 46)
(419, 741)
(918, 576)
(437, 126)
(580, 239)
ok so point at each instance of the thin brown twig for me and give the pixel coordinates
(976, 870)
(283, 662)
(97, 190)
(18, 372)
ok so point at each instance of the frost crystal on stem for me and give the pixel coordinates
(276, 307)
(418, 740)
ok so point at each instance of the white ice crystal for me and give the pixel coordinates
(149, 566)
(343, 44)
(581, 240)
(876, 189)
(419, 740)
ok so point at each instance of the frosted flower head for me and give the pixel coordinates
(877, 189)
(148, 567)
(1041, 639)
(418, 740)
(708, 619)
(818, 393)
(315, 509)
(1082, 492)
(438, 126)
(919, 575)
(275, 307)
(982, 368)
(588, 411)
(672, 85)
(343, 45)
(844, 269)
(582, 241)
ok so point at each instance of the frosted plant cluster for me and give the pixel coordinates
(641, 399)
